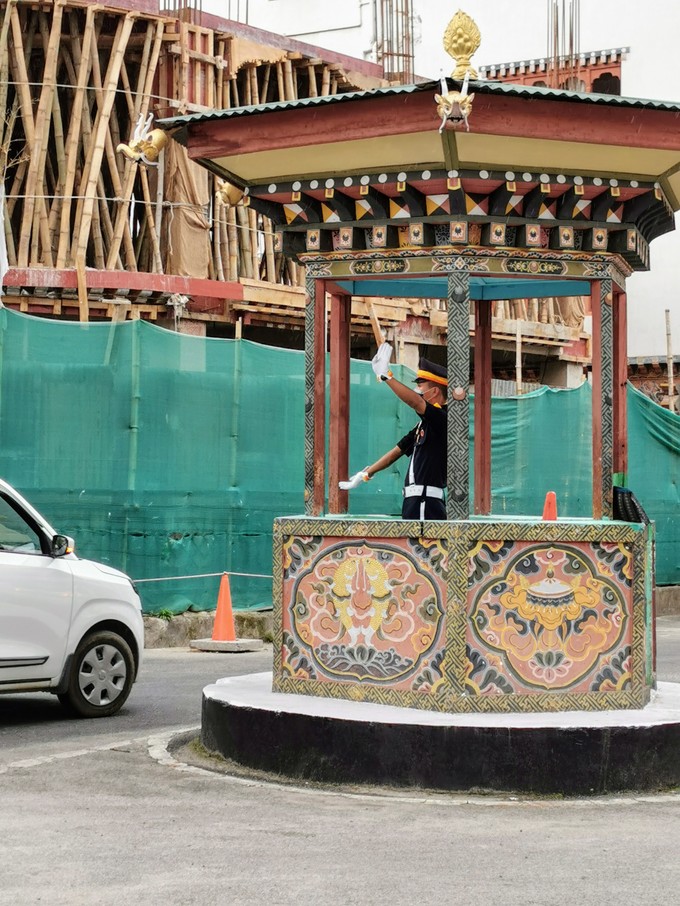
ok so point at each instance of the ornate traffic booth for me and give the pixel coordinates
(467, 192)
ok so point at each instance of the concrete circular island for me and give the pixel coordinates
(336, 741)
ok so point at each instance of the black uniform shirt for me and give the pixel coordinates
(426, 445)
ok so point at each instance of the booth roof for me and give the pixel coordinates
(512, 127)
(479, 87)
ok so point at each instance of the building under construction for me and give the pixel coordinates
(106, 219)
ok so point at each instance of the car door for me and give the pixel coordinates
(36, 600)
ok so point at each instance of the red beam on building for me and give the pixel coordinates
(137, 281)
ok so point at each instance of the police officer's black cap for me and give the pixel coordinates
(430, 371)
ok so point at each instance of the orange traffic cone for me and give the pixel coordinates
(224, 632)
(550, 507)
(223, 627)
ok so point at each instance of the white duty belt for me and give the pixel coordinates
(423, 490)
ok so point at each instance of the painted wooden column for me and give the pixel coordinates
(338, 434)
(620, 316)
(458, 417)
(482, 433)
(603, 397)
(315, 396)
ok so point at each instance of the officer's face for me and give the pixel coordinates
(428, 391)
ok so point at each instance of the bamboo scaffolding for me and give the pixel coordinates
(216, 234)
(326, 81)
(121, 228)
(271, 270)
(311, 72)
(150, 222)
(224, 242)
(232, 232)
(73, 197)
(20, 75)
(280, 81)
(73, 137)
(4, 66)
(112, 141)
(252, 223)
(244, 241)
(96, 151)
(35, 207)
(291, 92)
(265, 84)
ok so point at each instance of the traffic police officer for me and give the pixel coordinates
(425, 445)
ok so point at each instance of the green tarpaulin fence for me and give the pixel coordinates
(169, 455)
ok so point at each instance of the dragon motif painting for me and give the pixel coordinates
(366, 611)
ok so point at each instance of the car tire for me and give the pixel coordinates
(102, 673)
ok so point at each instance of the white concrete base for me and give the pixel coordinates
(227, 647)
(255, 691)
(338, 741)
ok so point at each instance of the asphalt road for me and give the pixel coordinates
(96, 811)
(166, 696)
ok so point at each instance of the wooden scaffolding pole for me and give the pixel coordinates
(96, 152)
(73, 137)
(142, 100)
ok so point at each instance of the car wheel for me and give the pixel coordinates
(101, 677)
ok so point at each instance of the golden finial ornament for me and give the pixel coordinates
(461, 40)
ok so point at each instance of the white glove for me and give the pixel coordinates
(354, 481)
(381, 360)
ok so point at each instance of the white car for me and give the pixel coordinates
(68, 626)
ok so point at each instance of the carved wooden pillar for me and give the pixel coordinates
(458, 418)
(315, 396)
(603, 397)
(482, 435)
(620, 314)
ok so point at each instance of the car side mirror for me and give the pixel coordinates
(61, 545)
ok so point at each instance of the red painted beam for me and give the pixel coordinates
(573, 121)
(373, 117)
(50, 278)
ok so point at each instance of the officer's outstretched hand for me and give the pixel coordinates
(381, 360)
(354, 481)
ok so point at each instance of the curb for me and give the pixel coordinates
(179, 631)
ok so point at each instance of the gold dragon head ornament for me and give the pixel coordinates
(229, 194)
(146, 143)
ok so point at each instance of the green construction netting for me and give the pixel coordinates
(169, 455)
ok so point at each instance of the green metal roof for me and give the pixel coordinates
(478, 87)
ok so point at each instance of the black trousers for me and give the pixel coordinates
(434, 508)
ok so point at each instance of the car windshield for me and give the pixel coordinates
(15, 533)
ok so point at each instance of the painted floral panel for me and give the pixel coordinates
(555, 617)
(368, 611)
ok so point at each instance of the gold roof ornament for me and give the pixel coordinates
(229, 194)
(461, 40)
